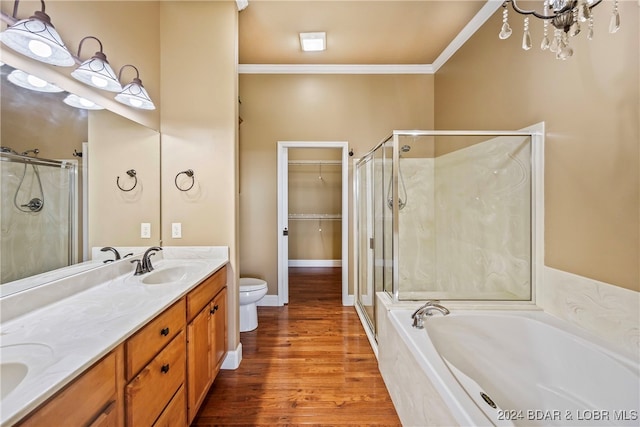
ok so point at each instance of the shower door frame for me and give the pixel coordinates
(283, 215)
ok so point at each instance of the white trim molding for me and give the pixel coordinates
(233, 358)
(335, 69)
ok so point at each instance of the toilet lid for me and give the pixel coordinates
(251, 284)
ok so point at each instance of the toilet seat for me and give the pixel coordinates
(248, 284)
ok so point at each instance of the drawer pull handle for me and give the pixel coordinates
(165, 368)
(214, 309)
(164, 332)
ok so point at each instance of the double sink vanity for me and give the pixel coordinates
(105, 347)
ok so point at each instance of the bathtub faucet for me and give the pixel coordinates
(427, 310)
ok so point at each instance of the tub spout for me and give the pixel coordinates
(427, 310)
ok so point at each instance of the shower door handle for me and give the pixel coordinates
(285, 232)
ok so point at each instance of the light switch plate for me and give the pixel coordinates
(145, 230)
(176, 230)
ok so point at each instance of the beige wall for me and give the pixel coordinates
(360, 109)
(116, 145)
(199, 119)
(590, 106)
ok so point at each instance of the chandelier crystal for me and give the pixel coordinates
(565, 16)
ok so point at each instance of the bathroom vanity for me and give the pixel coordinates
(125, 351)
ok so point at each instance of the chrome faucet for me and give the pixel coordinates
(427, 310)
(146, 258)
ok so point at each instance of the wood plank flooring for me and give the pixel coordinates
(308, 363)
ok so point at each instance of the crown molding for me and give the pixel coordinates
(469, 30)
(334, 69)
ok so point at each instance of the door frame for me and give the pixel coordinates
(283, 214)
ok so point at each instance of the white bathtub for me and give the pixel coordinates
(536, 369)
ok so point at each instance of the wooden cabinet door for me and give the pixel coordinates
(218, 331)
(199, 376)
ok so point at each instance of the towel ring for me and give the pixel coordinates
(189, 173)
(132, 174)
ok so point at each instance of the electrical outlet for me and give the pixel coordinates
(176, 230)
(145, 230)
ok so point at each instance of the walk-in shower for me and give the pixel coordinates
(37, 214)
(447, 215)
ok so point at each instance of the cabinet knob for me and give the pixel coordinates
(214, 309)
(164, 332)
(165, 368)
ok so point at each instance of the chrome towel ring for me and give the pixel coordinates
(190, 174)
(132, 174)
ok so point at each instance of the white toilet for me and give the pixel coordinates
(251, 291)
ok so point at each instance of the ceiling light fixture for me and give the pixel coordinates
(80, 102)
(31, 82)
(96, 71)
(36, 38)
(313, 42)
(567, 18)
(134, 94)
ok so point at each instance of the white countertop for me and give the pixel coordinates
(97, 310)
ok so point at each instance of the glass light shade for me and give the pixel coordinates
(36, 38)
(80, 102)
(98, 73)
(135, 95)
(31, 82)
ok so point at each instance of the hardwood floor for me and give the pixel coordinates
(308, 363)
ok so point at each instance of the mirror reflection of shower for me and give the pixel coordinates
(35, 204)
(402, 190)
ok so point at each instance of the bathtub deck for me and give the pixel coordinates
(308, 363)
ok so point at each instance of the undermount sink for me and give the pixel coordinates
(16, 362)
(12, 374)
(167, 275)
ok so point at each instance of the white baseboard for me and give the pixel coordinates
(269, 301)
(315, 263)
(233, 358)
(349, 300)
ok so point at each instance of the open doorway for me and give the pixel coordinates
(312, 210)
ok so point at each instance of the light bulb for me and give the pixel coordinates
(39, 48)
(36, 81)
(98, 81)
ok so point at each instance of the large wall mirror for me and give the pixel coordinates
(72, 180)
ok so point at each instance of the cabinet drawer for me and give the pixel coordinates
(83, 400)
(150, 391)
(148, 341)
(175, 414)
(204, 292)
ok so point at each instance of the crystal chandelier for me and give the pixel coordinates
(566, 16)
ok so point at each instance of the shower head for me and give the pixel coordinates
(405, 148)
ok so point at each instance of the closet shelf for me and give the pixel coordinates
(315, 162)
(315, 216)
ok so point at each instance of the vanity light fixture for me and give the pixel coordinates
(80, 102)
(36, 38)
(134, 94)
(313, 42)
(96, 71)
(31, 82)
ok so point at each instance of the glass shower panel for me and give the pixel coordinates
(465, 227)
(36, 216)
(364, 197)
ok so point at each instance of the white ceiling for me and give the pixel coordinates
(359, 32)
